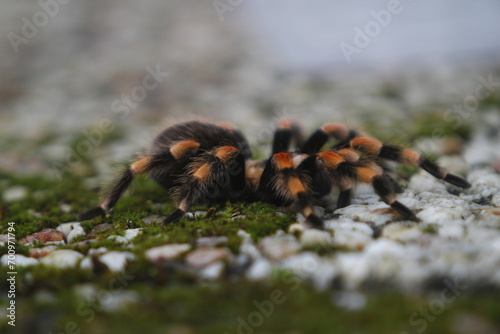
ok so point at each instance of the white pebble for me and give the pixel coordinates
(438, 215)
(312, 237)
(132, 233)
(15, 194)
(66, 228)
(401, 232)
(213, 271)
(259, 270)
(19, 260)
(118, 239)
(116, 261)
(279, 247)
(76, 232)
(119, 300)
(166, 252)
(62, 258)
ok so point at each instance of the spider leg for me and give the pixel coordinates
(347, 171)
(283, 184)
(158, 165)
(213, 176)
(331, 130)
(375, 148)
(120, 185)
(286, 131)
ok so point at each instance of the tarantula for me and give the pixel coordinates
(211, 163)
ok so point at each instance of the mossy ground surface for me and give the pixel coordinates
(165, 300)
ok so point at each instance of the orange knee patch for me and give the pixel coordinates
(367, 145)
(339, 131)
(295, 186)
(226, 153)
(365, 174)
(202, 172)
(227, 126)
(282, 160)
(330, 160)
(184, 148)
(141, 165)
(286, 123)
(349, 155)
(410, 157)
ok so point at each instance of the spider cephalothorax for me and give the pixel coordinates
(201, 162)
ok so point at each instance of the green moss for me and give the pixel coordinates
(425, 124)
(280, 306)
(430, 228)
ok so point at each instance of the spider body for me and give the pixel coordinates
(210, 163)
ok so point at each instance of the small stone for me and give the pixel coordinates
(352, 235)
(452, 230)
(313, 237)
(259, 270)
(296, 228)
(202, 257)
(245, 236)
(437, 215)
(98, 229)
(249, 249)
(76, 232)
(47, 235)
(304, 265)
(153, 219)
(65, 207)
(85, 242)
(279, 247)
(132, 233)
(213, 271)
(20, 260)
(62, 258)
(238, 217)
(97, 251)
(87, 264)
(166, 252)
(15, 194)
(66, 228)
(489, 217)
(120, 300)
(196, 214)
(401, 232)
(4, 239)
(116, 261)
(118, 239)
(41, 251)
(454, 164)
(211, 241)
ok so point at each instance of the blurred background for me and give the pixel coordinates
(90, 80)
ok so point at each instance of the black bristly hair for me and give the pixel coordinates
(201, 162)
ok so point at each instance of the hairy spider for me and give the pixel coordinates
(211, 163)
